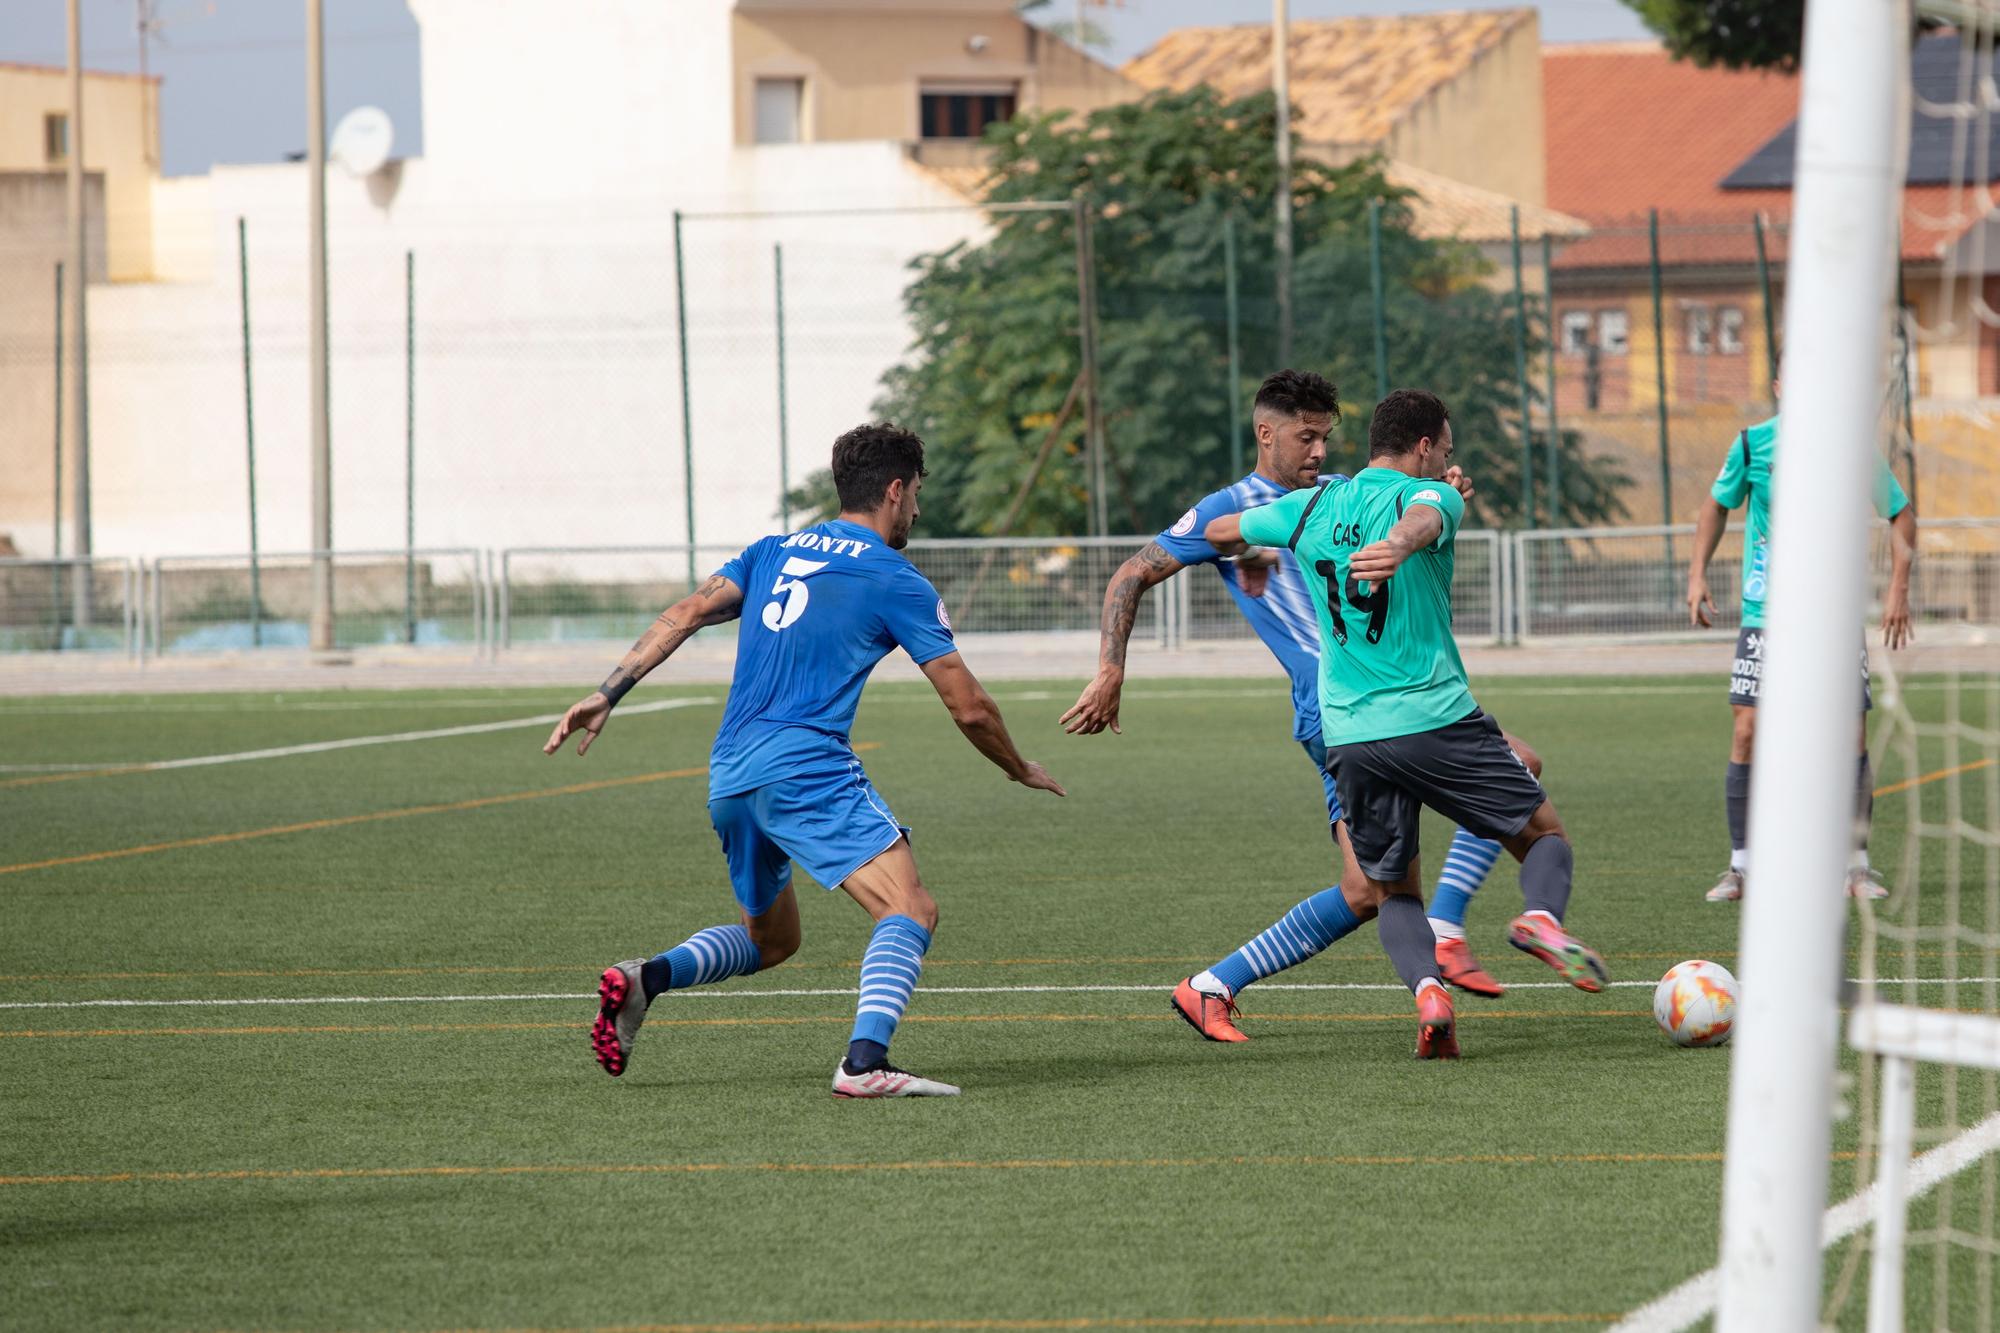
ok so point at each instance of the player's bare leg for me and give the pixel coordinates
(891, 891)
(1547, 869)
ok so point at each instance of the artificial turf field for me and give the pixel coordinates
(345, 1161)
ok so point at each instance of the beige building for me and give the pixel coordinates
(121, 142)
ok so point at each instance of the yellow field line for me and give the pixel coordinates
(40, 778)
(343, 821)
(852, 1168)
(280, 1029)
(1927, 778)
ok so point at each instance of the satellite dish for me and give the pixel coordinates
(362, 140)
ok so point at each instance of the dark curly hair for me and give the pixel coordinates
(1293, 393)
(1403, 418)
(867, 458)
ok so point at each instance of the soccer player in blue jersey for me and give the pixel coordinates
(1294, 413)
(830, 602)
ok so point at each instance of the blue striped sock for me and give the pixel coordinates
(1301, 933)
(1466, 867)
(889, 971)
(715, 954)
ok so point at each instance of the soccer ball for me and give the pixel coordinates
(1695, 1003)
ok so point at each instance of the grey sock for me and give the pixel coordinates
(1546, 872)
(1407, 938)
(1864, 802)
(1737, 788)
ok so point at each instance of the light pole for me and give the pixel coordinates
(320, 625)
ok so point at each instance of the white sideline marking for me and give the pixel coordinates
(1695, 1298)
(703, 993)
(350, 743)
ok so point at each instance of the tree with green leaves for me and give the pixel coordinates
(996, 350)
(1739, 34)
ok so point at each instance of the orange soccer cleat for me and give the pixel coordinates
(1574, 961)
(1210, 1015)
(1458, 967)
(1437, 1032)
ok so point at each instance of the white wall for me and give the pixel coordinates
(548, 385)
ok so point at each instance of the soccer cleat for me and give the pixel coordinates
(1457, 965)
(885, 1081)
(1574, 961)
(1207, 1014)
(1727, 889)
(1864, 882)
(1437, 1035)
(621, 1009)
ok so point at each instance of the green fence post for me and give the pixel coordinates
(1764, 287)
(687, 406)
(55, 545)
(784, 444)
(1521, 374)
(1554, 454)
(410, 446)
(1375, 286)
(1660, 389)
(1235, 349)
(249, 429)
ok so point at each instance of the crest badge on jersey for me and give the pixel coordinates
(1427, 494)
(1184, 525)
(944, 616)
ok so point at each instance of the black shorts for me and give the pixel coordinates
(1465, 771)
(1746, 673)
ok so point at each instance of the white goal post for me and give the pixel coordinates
(1840, 281)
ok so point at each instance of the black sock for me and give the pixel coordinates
(865, 1055)
(1737, 789)
(1546, 872)
(1407, 938)
(1864, 802)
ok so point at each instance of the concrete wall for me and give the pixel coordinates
(1485, 126)
(120, 140)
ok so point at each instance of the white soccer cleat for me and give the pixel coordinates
(886, 1081)
(1728, 889)
(1863, 882)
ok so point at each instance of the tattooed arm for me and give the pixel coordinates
(1097, 707)
(713, 603)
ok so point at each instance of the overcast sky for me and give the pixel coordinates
(234, 77)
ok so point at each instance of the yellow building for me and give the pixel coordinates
(121, 142)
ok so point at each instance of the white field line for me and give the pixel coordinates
(706, 994)
(1695, 1299)
(351, 742)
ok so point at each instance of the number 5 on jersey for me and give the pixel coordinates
(792, 584)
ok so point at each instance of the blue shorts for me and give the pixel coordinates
(1315, 747)
(831, 823)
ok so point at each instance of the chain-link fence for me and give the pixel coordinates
(223, 603)
(85, 604)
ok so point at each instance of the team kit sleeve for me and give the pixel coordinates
(737, 568)
(1184, 540)
(1732, 484)
(1445, 499)
(1889, 497)
(916, 618)
(1273, 524)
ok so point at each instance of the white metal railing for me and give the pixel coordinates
(72, 604)
(220, 603)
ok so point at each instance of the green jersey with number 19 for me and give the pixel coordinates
(1388, 663)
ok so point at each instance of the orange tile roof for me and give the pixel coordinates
(1352, 79)
(1630, 129)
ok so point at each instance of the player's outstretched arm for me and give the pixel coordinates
(1708, 531)
(1896, 630)
(1097, 707)
(713, 603)
(1413, 532)
(979, 718)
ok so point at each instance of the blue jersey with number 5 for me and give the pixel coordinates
(820, 608)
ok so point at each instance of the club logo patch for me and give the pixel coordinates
(1427, 494)
(944, 616)
(1184, 525)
